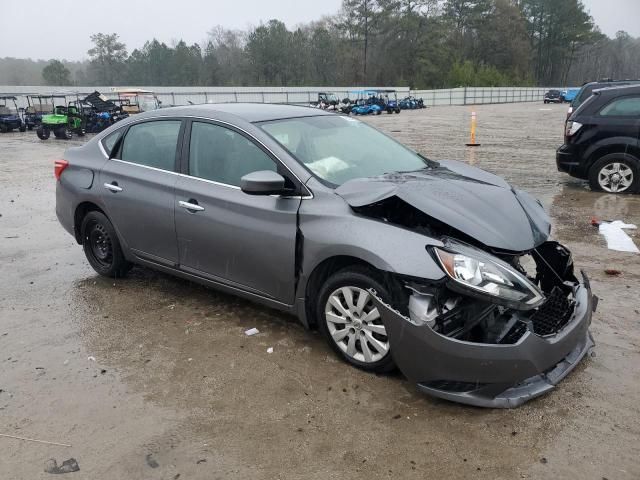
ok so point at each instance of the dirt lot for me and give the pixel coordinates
(178, 391)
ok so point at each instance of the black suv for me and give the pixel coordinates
(602, 141)
(553, 96)
(587, 89)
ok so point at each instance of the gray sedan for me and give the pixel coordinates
(438, 268)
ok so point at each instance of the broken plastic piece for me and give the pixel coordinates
(617, 239)
(67, 466)
(251, 331)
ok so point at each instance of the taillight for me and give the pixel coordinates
(572, 128)
(59, 167)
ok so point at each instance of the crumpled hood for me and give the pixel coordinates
(477, 203)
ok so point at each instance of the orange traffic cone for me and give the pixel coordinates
(472, 141)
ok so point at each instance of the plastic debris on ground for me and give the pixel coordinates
(617, 238)
(68, 466)
(270, 350)
(251, 331)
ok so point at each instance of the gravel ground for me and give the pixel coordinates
(152, 377)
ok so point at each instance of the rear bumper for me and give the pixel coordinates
(569, 160)
(64, 208)
(490, 375)
(11, 123)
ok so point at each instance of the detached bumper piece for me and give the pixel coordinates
(529, 361)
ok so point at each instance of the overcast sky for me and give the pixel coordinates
(61, 28)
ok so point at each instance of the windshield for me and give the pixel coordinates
(338, 148)
(585, 92)
(147, 102)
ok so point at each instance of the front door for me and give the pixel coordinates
(245, 241)
(138, 189)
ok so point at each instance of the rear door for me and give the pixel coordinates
(245, 241)
(138, 189)
(620, 118)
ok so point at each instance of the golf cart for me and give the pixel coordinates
(327, 101)
(39, 105)
(65, 120)
(411, 103)
(388, 100)
(10, 119)
(101, 112)
(136, 100)
(367, 103)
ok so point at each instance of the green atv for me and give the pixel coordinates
(64, 122)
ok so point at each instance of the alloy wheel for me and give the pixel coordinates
(355, 324)
(615, 177)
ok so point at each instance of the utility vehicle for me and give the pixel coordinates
(40, 105)
(10, 119)
(65, 120)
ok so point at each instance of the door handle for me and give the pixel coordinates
(194, 207)
(113, 187)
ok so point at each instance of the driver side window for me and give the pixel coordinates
(223, 155)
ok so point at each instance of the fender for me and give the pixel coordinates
(624, 143)
(328, 228)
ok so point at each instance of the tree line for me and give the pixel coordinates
(417, 43)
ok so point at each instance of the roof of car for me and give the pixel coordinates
(250, 112)
(619, 90)
(612, 82)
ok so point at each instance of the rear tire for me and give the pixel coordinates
(615, 173)
(351, 323)
(3, 128)
(102, 247)
(43, 133)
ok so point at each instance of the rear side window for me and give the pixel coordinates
(152, 144)
(222, 155)
(622, 107)
(110, 141)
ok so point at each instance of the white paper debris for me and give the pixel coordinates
(270, 350)
(91, 359)
(616, 237)
(251, 331)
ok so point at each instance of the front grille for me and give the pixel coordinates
(454, 386)
(514, 333)
(553, 315)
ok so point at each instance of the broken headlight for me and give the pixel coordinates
(484, 276)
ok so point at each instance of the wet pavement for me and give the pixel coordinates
(152, 377)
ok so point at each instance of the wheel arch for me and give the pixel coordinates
(80, 212)
(622, 145)
(321, 273)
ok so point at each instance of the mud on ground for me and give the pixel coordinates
(178, 391)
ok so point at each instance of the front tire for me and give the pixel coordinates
(43, 133)
(102, 247)
(615, 173)
(350, 321)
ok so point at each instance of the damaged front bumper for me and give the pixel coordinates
(490, 375)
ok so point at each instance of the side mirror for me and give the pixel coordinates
(264, 182)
